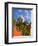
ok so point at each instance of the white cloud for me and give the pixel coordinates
(20, 10)
(22, 18)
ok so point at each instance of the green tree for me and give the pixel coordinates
(14, 21)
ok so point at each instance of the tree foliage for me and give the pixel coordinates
(25, 29)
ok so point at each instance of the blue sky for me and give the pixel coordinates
(24, 12)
